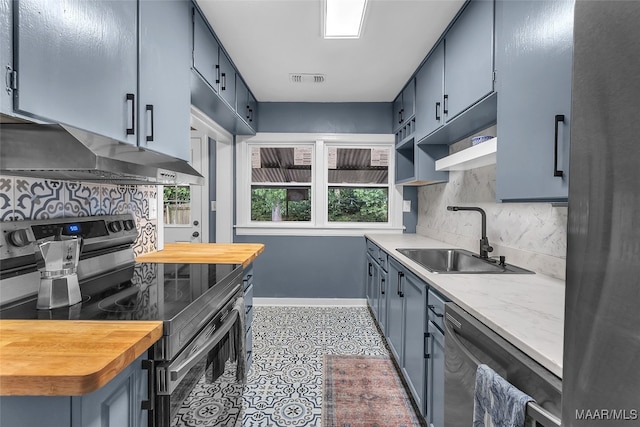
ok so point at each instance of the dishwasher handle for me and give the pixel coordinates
(535, 411)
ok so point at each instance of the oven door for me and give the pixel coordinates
(198, 385)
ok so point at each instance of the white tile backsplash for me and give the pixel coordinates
(530, 235)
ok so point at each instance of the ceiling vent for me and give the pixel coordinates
(306, 78)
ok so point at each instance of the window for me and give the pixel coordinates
(307, 184)
(358, 184)
(177, 205)
(281, 183)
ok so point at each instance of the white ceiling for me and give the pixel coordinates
(270, 39)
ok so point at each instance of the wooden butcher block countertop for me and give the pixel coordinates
(68, 357)
(205, 253)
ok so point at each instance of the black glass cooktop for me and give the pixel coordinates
(147, 291)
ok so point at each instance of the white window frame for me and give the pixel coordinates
(319, 224)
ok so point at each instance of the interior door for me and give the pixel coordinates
(183, 204)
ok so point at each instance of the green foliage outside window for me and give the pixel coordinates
(270, 204)
(358, 205)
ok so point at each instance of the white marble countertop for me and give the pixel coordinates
(525, 309)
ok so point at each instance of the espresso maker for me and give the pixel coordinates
(57, 260)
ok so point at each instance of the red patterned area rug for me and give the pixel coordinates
(364, 391)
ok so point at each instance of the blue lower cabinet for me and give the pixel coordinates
(247, 283)
(117, 404)
(415, 354)
(413, 318)
(395, 311)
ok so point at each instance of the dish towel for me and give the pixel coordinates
(239, 347)
(497, 403)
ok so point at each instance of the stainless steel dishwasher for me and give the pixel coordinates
(468, 343)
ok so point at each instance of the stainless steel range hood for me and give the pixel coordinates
(63, 152)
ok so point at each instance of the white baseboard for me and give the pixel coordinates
(327, 302)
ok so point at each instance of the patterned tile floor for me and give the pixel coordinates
(284, 384)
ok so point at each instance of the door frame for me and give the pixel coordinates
(224, 176)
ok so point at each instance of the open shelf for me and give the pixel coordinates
(477, 156)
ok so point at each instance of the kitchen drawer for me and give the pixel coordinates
(436, 308)
(378, 255)
(372, 250)
(383, 260)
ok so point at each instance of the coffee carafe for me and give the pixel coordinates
(57, 260)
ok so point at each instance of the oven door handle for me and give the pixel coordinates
(179, 371)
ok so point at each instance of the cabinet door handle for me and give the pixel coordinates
(223, 86)
(149, 366)
(132, 98)
(433, 310)
(250, 114)
(370, 270)
(217, 73)
(400, 276)
(425, 352)
(399, 116)
(382, 285)
(149, 109)
(437, 111)
(446, 104)
(556, 172)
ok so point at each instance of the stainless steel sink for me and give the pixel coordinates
(458, 261)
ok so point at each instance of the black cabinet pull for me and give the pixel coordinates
(369, 270)
(556, 172)
(446, 104)
(250, 114)
(400, 116)
(149, 404)
(382, 285)
(149, 108)
(437, 111)
(223, 86)
(217, 73)
(132, 130)
(400, 276)
(433, 309)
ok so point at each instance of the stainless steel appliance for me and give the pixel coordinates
(469, 343)
(57, 260)
(601, 378)
(200, 305)
(34, 150)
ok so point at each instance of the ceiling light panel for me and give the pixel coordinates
(343, 18)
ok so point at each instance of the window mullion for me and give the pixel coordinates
(320, 184)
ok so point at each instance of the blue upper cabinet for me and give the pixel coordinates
(534, 49)
(216, 87)
(165, 64)
(404, 106)
(205, 52)
(6, 55)
(429, 93)
(468, 58)
(76, 63)
(227, 85)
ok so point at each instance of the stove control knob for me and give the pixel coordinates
(129, 225)
(115, 226)
(21, 237)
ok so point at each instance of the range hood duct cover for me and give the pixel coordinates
(63, 152)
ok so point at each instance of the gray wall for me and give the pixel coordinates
(309, 267)
(315, 266)
(343, 117)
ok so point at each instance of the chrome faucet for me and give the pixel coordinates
(485, 247)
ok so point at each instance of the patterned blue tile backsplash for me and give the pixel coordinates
(32, 198)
